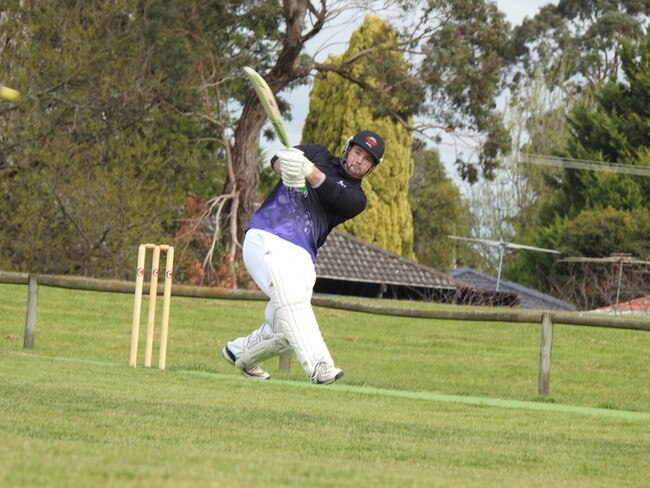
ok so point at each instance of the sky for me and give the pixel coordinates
(515, 11)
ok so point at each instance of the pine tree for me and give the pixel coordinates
(339, 108)
(615, 130)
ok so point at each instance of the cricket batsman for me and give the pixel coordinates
(318, 191)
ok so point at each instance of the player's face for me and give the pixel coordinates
(359, 162)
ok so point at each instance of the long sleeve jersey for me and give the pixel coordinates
(306, 219)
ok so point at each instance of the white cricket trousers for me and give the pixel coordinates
(286, 274)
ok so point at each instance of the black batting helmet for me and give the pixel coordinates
(370, 141)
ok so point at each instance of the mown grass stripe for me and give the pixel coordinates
(496, 402)
(412, 395)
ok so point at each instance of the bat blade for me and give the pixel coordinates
(270, 106)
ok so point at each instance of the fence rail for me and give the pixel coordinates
(545, 318)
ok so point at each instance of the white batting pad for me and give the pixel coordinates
(295, 319)
(299, 325)
(265, 348)
(286, 274)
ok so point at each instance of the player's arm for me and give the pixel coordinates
(315, 178)
(344, 198)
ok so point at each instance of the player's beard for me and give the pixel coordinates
(355, 170)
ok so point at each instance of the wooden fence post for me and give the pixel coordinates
(30, 319)
(545, 355)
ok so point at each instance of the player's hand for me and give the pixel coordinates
(289, 168)
(291, 178)
(294, 161)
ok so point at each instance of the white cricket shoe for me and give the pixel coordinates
(324, 374)
(253, 373)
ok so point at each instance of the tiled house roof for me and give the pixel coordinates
(345, 257)
(528, 298)
(638, 306)
(347, 265)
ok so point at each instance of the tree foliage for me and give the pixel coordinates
(438, 212)
(460, 73)
(99, 155)
(141, 102)
(574, 44)
(590, 204)
(599, 233)
(616, 130)
(507, 207)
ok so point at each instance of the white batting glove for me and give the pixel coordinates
(289, 170)
(295, 162)
(291, 178)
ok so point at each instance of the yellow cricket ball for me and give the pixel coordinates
(9, 94)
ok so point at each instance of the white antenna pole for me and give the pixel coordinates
(618, 289)
(501, 248)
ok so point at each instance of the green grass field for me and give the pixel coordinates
(423, 403)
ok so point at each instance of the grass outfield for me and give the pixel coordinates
(423, 403)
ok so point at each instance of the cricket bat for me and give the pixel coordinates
(269, 104)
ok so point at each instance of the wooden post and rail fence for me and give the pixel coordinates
(546, 318)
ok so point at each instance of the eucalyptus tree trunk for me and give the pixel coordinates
(247, 134)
